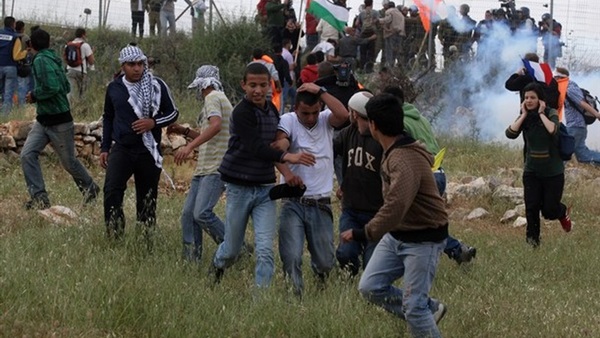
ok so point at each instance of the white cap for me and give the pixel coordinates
(358, 101)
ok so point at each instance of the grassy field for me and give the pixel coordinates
(69, 281)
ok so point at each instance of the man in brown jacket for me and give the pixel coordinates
(411, 226)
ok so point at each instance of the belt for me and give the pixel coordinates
(312, 201)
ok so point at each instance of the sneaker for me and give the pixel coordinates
(216, 273)
(38, 203)
(565, 221)
(439, 313)
(535, 243)
(467, 253)
(91, 194)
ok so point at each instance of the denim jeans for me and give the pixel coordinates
(60, 137)
(582, 152)
(23, 88)
(348, 254)
(288, 95)
(244, 202)
(417, 264)
(393, 50)
(542, 194)
(198, 214)
(313, 222)
(78, 81)
(8, 81)
(123, 162)
(453, 246)
(167, 20)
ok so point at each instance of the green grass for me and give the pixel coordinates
(68, 280)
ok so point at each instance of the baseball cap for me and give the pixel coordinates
(358, 101)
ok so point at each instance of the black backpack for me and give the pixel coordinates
(592, 100)
(24, 66)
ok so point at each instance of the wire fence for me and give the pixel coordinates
(578, 17)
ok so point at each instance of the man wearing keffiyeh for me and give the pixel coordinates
(137, 105)
(211, 140)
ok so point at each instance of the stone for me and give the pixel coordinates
(81, 128)
(519, 222)
(477, 213)
(89, 139)
(59, 215)
(509, 216)
(520, 209)
(19, 129)
(7, 142)
(512, 194)
(177, 141)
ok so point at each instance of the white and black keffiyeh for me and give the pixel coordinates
(207, 76)
(144, 97)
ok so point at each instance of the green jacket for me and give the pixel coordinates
(275, 14)
(419, 128)
(542, 155)
(50, 88)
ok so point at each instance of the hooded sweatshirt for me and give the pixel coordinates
(413, 210)
(419, 128)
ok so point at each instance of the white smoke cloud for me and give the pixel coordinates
(475, 96)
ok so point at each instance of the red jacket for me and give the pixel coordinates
(309, 74)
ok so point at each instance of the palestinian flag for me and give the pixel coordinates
(335, 15)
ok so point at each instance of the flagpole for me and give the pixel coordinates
(297, 51)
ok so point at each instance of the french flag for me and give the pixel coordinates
(539, 71)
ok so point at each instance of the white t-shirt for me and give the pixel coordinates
(287, 56)
(325, 47)
(318, 141)
(86, 50)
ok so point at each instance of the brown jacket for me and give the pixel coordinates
(393, 22)
(413, 210)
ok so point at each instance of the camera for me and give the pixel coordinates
(343, 74)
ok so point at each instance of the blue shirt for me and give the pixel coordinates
(574, 116)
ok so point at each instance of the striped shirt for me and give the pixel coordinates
(212, 151)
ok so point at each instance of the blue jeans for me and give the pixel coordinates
(348, 254)
(23, 88)
(61, 138)
(167, 20)
(198, 214)
(244, 202)
(315, 222)
(8, 83)
(582, 152)
(289, 91)
(393, 50)
(453, 246)
(417, 263)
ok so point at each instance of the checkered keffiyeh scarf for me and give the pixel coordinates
(144, 97)
(207, 76)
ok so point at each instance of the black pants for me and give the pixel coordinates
(122, 164)
(542, 194)
(137, 20)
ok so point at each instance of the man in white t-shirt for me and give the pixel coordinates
(328, 48)
(308, 129)
(78, 75)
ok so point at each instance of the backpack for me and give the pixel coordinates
(24, 66)
(592, 100)
(566, 143)
(72, 54)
